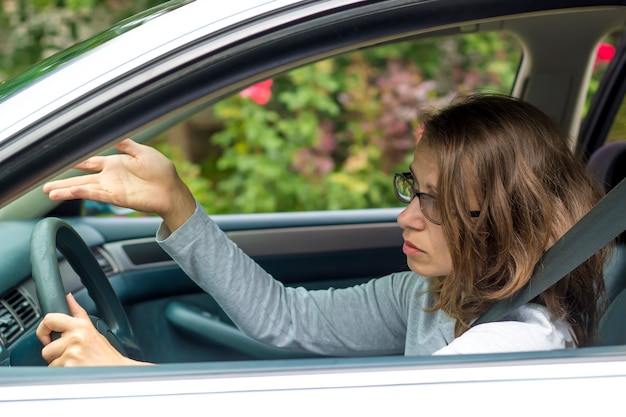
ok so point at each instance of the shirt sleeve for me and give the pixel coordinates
(368, 319)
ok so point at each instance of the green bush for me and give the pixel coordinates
(334, 132)
(35, 29)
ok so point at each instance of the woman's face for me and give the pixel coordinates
(424, 243)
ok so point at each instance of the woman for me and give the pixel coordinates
(492, 185)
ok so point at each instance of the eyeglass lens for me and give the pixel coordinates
(406, 190)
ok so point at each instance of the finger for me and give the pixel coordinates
(93, 164)
(79, 192)
(70, 182)
(52, 322)
(62, 194)
(130, 147)
(75, 309)
(43, 333)
(92, 192)
(53, 353)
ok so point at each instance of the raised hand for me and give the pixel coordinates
(141, 178)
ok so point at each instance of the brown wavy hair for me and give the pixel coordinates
(531, 188)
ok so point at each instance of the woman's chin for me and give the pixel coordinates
(426, 270)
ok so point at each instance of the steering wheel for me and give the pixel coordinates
(51, 234)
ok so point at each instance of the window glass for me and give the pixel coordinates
(618, 128)
(604, 54)
(331, 134)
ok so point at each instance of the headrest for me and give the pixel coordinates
(608, 163)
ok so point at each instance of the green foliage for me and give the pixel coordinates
(33, 30)
(334, 132)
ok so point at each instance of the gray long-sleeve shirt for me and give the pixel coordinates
(384, 316)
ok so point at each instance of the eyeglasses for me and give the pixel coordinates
(405, 189)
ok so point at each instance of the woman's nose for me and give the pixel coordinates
(412, 216)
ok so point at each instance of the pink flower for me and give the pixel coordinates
(605, 54)
(260, 93)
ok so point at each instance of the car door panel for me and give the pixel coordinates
(176, 321)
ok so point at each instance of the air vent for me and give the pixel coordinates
(10, 328)
(103, 260)
(17, 313)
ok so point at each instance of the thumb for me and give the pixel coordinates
(129, 147)
(75, 309)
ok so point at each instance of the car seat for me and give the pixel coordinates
(608, 163)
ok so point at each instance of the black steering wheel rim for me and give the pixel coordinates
(52, 234)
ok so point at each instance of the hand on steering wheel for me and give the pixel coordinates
(49, 235)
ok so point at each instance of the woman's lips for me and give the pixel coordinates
(410, 249)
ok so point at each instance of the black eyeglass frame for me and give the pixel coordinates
(408, 178)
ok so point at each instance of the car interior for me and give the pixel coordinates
(172, 319)
(607, 162)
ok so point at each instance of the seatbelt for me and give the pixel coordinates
(603, 223)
